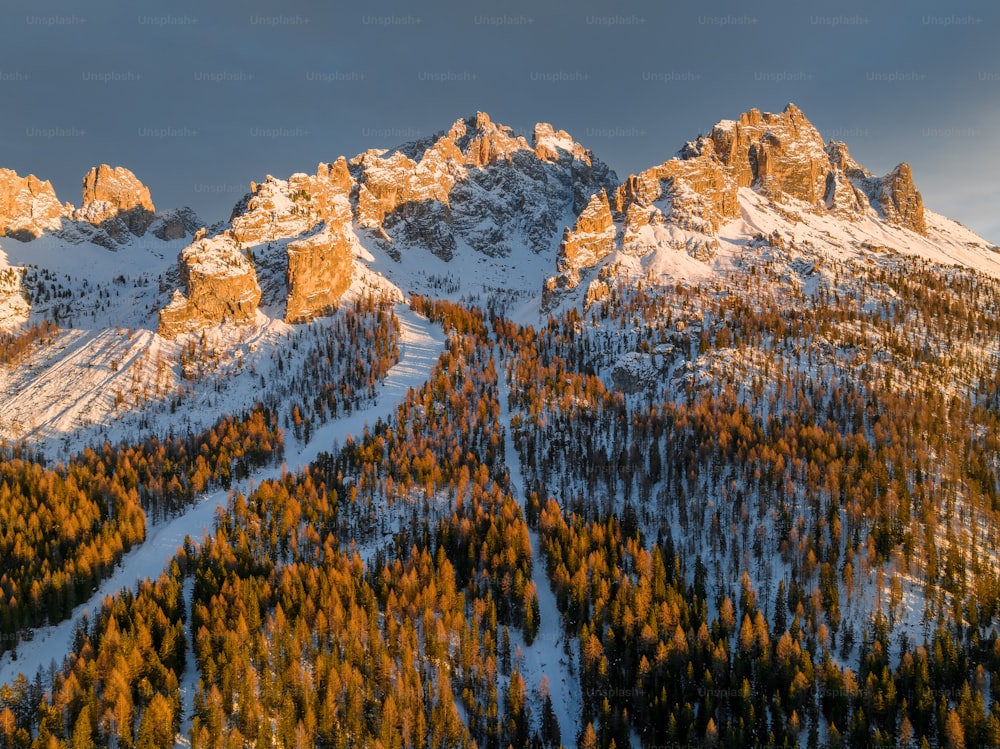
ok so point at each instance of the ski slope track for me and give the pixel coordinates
(420, 346)
(545, 656)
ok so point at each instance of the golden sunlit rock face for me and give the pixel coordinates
(592, 238)
(683, 202)
(115, 207)
(219, 283)
(114, 198)
(901, 203)
(28, 206)
(319, 272)
(479, 184)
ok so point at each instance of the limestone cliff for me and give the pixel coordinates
(116, 207)
(114, 199)
(779, 154)
(899, 200)
(220, 285)
(682, 203)
(593, 237)
(28, 206)
(320, 270)
(479, 183)
(308, 220)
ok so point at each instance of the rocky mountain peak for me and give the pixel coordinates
(116, 207)
(554, 145)
(682, 203)
(780, 153)
(479, 181)
(840, 158)
(481, 142)
(117, 186)
(28, 206)
(115, 200)
(900, 202)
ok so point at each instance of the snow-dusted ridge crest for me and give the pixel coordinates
(476, 211)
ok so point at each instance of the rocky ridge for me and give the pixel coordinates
(220, 285)
(28, 206)
(116, 206)
(682, 203)
(477, 185)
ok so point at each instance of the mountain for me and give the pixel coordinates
(476, 210)
(710, 193)
(475, 188)
(115, 207)
(703, 456)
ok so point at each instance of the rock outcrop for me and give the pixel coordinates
(28, 206)
(281, 209)
(320, 270)
(478, 183)
(899, 200)
(175, 224)
(779, 154)
(309, 219)
(117, 202)
(633, 372)
(851, 189)
(116, 207)
(592, 239)
(220, 285)
(844, 195)
(682, 203)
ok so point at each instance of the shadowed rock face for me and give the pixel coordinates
(175, 224)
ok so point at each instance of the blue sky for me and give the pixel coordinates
(200, 98)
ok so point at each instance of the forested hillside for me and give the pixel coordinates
(774, 530)
(706, 457)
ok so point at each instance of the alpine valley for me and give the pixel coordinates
(473, 443)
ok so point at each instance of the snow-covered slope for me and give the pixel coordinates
(749, 232)
(476, 212)
(420, 345)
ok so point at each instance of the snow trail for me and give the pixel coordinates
(546, 655)
(420, 344)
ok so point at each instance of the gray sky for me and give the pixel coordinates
(199, 97)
